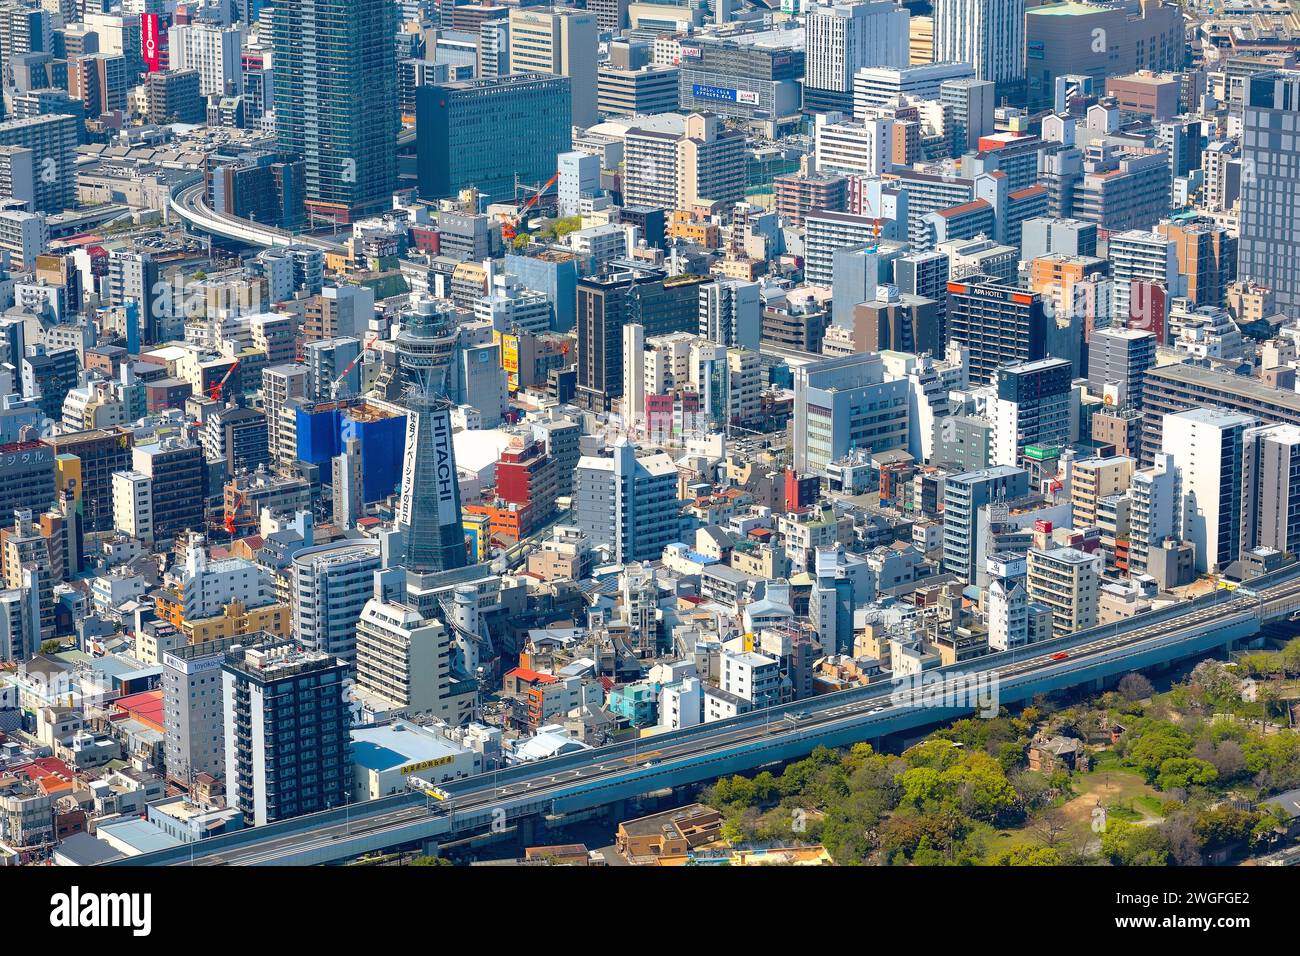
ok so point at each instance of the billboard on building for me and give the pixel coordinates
(444, 468)
(702, 91)
(151, 42)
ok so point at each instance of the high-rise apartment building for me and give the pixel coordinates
(133, 505)
(287, 724)
(330, 585)
(178, 484)
(1120, 356)
(963, 496)
(1140, 256)
(282, 384)
(1207, 445)
(611, 15)
(971, 101)
(1007, 602)
(1032, 407)
(1068, 581)
(336, 101)
(1269, 247)
(702, 161)
(98, 452)
(174, 96)
(853, 147)
(798, 194)
(99, 81)
(1093, 479)
(52, 140)
(841, 38)
(1270, 489)
(1153, 511)
(24, 28)
(626, 293)
(627, 503)
(404, 662)
(193, 713)
(1169, 389)
(214, 51)
(827, 233)
(988, 34)
(730, 313)
(1207, 257)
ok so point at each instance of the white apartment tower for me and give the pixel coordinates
(1153, 511)
(133, 504)
(1068, 581)
(213, 50)
(1007, 603)
(1270, 489)
(988, 34)
(404, 662)
(841, 38)
(579, 177)
(1209, 445)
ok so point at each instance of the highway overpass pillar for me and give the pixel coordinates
(527, 830)
(431, 847)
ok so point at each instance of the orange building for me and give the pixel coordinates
(1207, 256)
(1070, 283)
(506, 519)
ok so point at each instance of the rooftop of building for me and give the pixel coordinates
(275, 662)
(1212, 416)
(1065, 555)
(1065, 10)
(396, 745)
(1243, 385)
(139, 834)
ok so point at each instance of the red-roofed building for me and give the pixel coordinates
(146, 707)
(964, 221)
(50, 774)
(518, 680)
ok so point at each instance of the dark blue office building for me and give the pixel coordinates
(484, 133)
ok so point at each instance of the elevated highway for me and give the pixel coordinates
(191, 204)
(594, 778)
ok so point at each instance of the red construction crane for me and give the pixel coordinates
(231, 527)
(215, 391)
(347, 369)
(509, 229)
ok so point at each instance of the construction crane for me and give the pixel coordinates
(231, 527)
(215, 391)
(510, 228)
(874, 243)
(347, 369)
